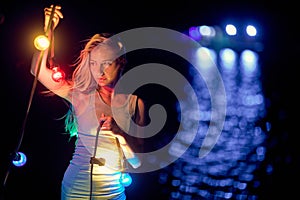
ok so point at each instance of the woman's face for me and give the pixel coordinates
(104, 67)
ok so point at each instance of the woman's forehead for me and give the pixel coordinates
(104, 52)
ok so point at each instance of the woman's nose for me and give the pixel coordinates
(101, 71)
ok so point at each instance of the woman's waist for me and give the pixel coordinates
(107, 154)
(104, 167)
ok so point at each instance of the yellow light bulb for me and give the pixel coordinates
(41, 42)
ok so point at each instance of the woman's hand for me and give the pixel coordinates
(56, 17)
(108, 123)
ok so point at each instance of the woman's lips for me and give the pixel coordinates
(101, 80)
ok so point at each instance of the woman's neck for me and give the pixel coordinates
(106, 94)
(105, 90)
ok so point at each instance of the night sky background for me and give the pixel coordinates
(49, 150)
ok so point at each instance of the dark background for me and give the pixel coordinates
(49, 151)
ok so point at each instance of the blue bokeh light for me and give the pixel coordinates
(20, 159)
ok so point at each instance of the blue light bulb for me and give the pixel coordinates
(126, 179)
(20, 159)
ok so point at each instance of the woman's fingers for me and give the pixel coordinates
(56, 16)
(107, 122)
(57, 12)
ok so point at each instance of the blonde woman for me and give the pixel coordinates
(97, 162)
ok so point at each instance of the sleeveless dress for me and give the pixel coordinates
(76, 183)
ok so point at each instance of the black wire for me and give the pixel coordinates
(94, 155)
(25, 119)
(91, 181)
(123, 166)
(15, 154)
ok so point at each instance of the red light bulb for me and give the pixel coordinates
(58, 74)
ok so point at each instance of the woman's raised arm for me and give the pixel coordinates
(39, 60)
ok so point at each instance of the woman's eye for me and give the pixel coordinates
(92, 63)
(106, 63)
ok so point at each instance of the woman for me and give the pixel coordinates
(97, 163)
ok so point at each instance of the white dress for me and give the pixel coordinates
(76, 183)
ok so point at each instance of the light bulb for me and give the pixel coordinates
(126, 179)
(58, 74)
(20, 159)
(41, 42)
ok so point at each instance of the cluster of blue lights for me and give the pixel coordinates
(228, 171)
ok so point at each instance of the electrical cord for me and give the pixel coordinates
(101, 161)
(94, 160)
(15, 154)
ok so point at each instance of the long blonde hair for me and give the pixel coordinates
(82, 76)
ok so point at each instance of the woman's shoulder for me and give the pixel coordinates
(78, 97)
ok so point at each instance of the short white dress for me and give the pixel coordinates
(105, 182)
